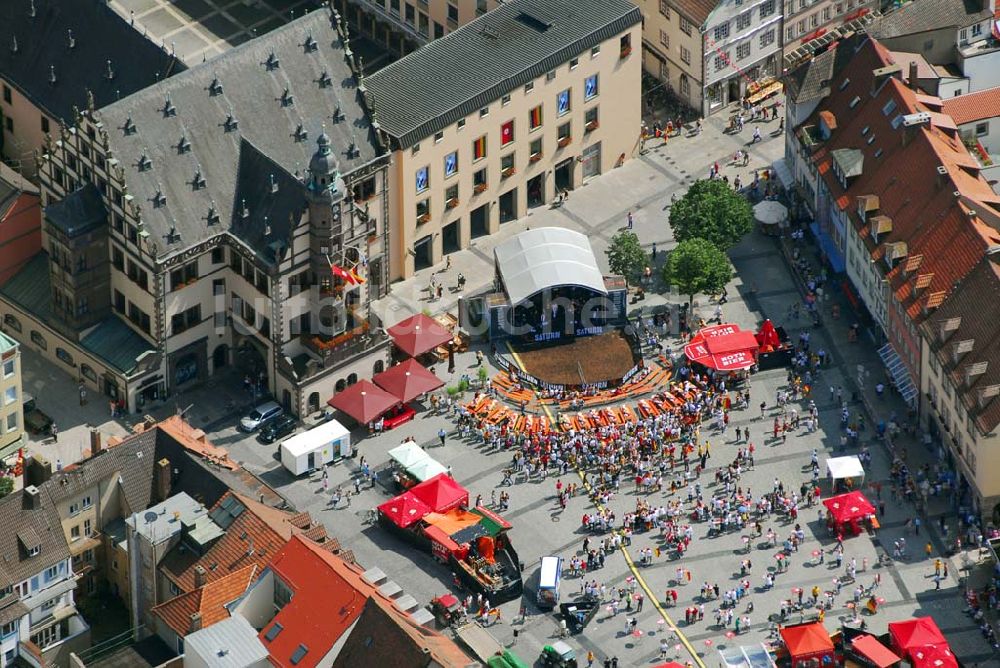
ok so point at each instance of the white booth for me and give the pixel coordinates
(845, 472)
(315, 448)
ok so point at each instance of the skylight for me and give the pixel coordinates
(273, 632)
(889, 107)
(897, 121)
(854, 102)
(298, 654)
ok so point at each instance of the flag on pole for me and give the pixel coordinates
(356, 278)
(347, 276)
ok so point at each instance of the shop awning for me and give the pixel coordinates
(784, 174)
(364, 401)
(723, 348)
(849, 507)
(404, 510)
(933, 656)
(418, 334)
(807, 641)
(441, 493)
(426, 469)
(407, 380)
(870, 648)
(913, 633)
(900, 374)
(845, 467)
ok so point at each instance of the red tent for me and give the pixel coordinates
(364, 401)
(873, 650)
(849, 507)
(441, 493)
(807, 641)
(723, 348)
(418, 334)
(407, 381)
(933, 656)
(404, 509)
(669, 664)
(767, 337)
(912, 633)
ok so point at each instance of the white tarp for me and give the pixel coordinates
(426, 469)
(839, 468)
(750, 656)
(547, 257)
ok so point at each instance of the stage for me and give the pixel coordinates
(585, 360)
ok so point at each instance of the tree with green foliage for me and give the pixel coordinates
(626, 256)
(6, 486)
(697, 266)
(711, 210)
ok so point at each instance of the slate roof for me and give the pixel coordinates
(487, 58)
(811, 80)
(78, 212)
(209, 601)
(974, 106)
(383, 636)
(189, 135)
(976, 301)
(99, 35)
(111, 340)
(39, 527)
(925, 15)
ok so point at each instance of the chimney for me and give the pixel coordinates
(163, 479)
(913, 75)
(37, 469)
(942, 176)
(96, 443)
(199, 578)
(32, 498)
(195, 624)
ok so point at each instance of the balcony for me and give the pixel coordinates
(333, 350)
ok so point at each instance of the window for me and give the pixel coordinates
(814, 20)
(8, 368)
(9, 395)
(564, 133)
(507, 163)
(452, 13)
(183, 276)
(479, 149)
(528, 87)
(574, 63)
(45, 124)
(438, 136)
(536, 148)
(595, 51)
(743, 21)
(535, 117)
(506, 133)
(39, 340)
(415, 149)
(12, 322)
(479, 178)
(854, 102)
(438, 30)
(982, 129)
(505, 100)
(74, 508)
(767, 9)
(117, 258)
(826, 14)
(51, 573)
(7, 94)
(977, 30)
(665, 8)
(87, 372)
(88, 528)
(423, 211)
(9, 123)
(721, 32)
(394, 6)
(451, 164)
(119, 302)
(185, 320)
(451, 192)
(422, 180)
(790, 33)
(49, 604)
(664, 39)
(742, 50)
(410, 13)
(590, 87)
(8, 629)
(685, 55)
(562, 103)
(767, 38)
(484, 112)
(74, 532)
(625, 45)
(721, 60)
(590, 118)
(86, 502)
(461, 124)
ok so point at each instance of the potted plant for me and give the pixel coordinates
(480, 188)
(564, 141)
(591, 126)
(626, 50)
(535, 157)
(510, 171)
(452, 203)
(423, 218)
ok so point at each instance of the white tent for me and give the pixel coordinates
(544, 258)
(407, 454)
(426, 469)
(839, 468)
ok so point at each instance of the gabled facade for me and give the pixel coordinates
(190, 228)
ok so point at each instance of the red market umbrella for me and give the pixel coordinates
(418, 334)
(364, 401)
(807, 641)
(933, 656)
(407, 381)
(911, 633)
(767, 337)
(441, 493)
(404, 509)
(848, 507)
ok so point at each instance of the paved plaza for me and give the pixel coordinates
(764, 287)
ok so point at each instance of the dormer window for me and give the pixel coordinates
(35, 551)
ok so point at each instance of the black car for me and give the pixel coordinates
(279, 427)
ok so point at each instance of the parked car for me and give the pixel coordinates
(260, 416)
(35, 421)
(278, 428)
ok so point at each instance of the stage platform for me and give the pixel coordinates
(581, 361)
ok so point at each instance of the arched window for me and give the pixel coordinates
(340, 386)
(10, 321)
(65, 356)
(39, 340)
(379, 367)
(352, 378)
(87, 372)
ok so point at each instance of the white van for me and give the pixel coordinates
(549, 575)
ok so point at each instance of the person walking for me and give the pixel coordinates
(756, 135)
(442, 435)
(630, 220)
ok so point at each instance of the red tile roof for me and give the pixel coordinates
(974, 106)
(210, 601)
(696, 11)
(254, 537)
(328, 596)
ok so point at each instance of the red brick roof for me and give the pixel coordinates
(210, 601)
(328, 596)
(974, 106)
(254, 537)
